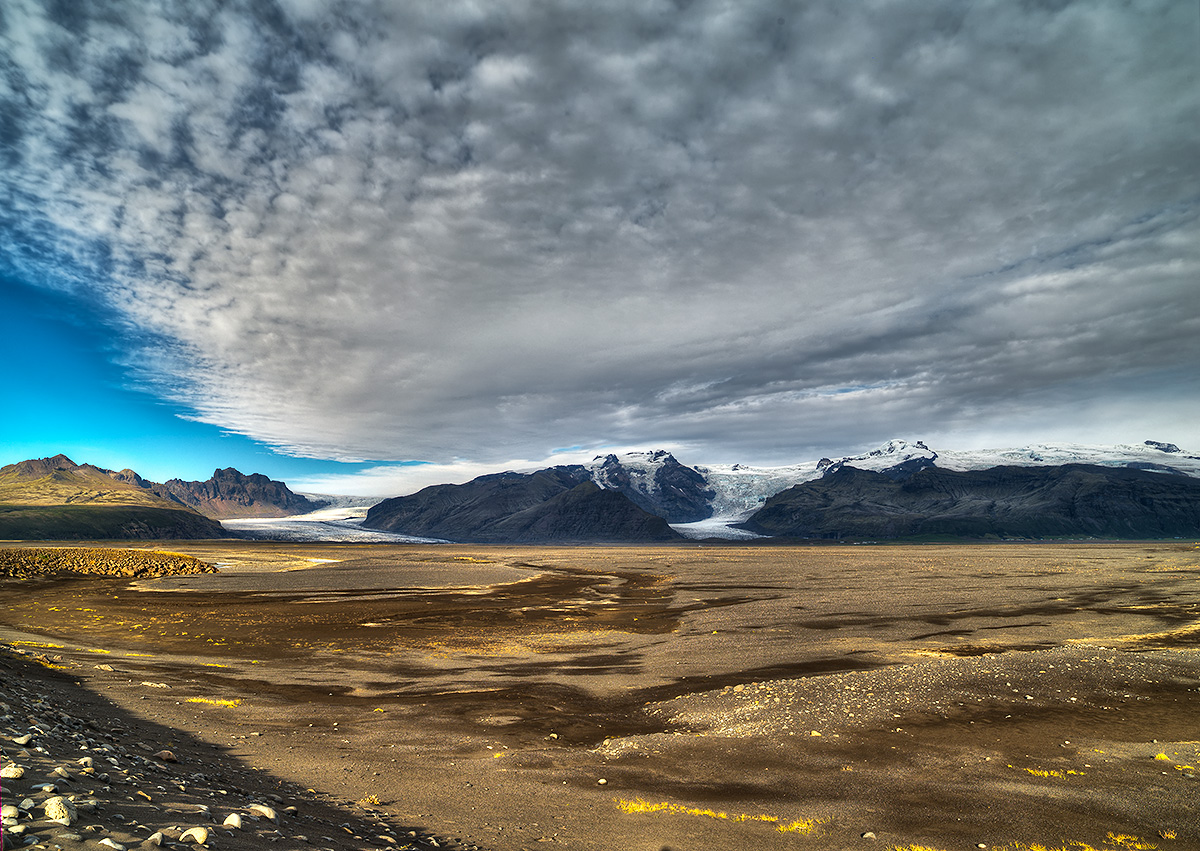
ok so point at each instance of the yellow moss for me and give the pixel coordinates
(802, 826)
(1038, 772)
(229, 703)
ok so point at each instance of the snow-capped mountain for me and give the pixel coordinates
(719, 495)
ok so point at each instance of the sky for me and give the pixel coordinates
(364, 246)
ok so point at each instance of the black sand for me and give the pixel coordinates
(998, 695)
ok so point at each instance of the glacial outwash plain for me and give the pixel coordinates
(1017, 695)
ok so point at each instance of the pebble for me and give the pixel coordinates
(12, 771)
(113, 844)
(23, 740)
(264, 811)
(233, 820)
(155, 838)
(166, 756)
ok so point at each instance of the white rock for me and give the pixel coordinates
(60, 809)
(12, 771)
(113, 844)
(155, 838)
(198, 835)
(233, 820)
(265, 811)
(23, 740)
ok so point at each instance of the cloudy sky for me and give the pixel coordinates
(323, 238)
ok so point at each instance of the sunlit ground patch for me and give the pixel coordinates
(801, 826)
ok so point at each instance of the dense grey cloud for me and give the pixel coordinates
(754, 229)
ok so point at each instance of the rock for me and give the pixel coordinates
(113, 844)
(155, 838)
(12, 771)
(868, 835)
(23, 740)
(61, 772)
(60, 809)
(86, 762)
(68, 836)
(9, 811)
(233, 820)
(199, 835)
(264, 811)
(166, 756)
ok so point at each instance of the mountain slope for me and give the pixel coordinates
(55, 498)
(460, 512)
(1073, 500)
(584, 514)
(555, 504)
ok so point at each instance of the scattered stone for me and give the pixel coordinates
(199, 835)
(12, 771)
(9, 811)
(113, 844)
(23, 740)
(233, 820)
(166, 756)
(70, 837)
(868, 835)
(155, 838)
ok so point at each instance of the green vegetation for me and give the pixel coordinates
(96, 522)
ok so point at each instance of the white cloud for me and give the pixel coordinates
(482, 231)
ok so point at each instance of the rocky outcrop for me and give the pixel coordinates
(230, 493)
(1073, 500)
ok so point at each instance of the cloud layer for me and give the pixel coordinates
(484, 231)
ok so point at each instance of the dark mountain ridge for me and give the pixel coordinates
(230, 493)
(555, 504)
(1071, 500)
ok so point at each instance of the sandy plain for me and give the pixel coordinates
(691, 697)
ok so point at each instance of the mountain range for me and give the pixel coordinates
(1146, 490)
(55, 498)
(898, 490)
